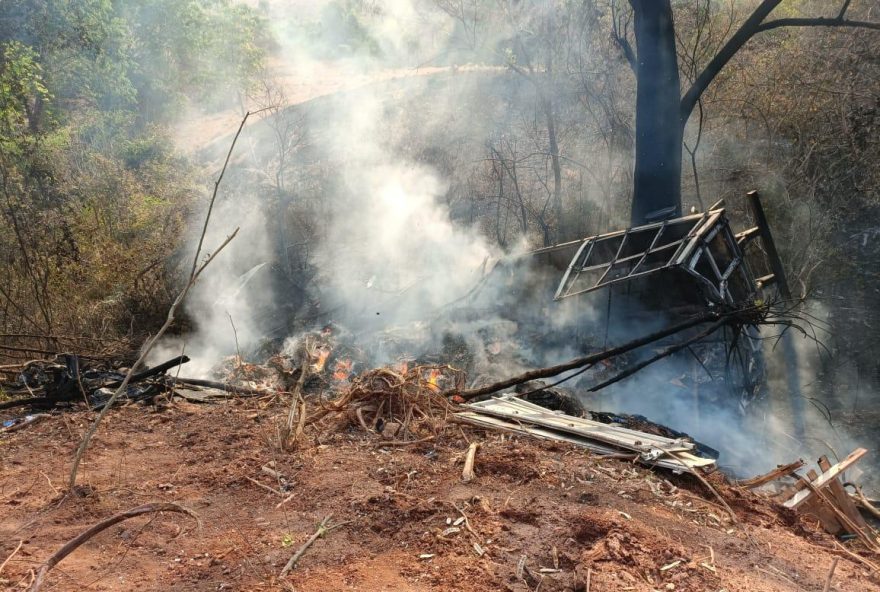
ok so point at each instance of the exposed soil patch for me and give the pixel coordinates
(535, 513)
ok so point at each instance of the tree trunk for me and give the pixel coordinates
(657, 175)
(561, 233)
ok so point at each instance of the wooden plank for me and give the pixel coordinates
(818, 509)
(789, 490)
(773, 258)
(778, 472)
(839, 496)
(826, 477)
(864, 537)
(747, 235)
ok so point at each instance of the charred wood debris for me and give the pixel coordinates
(414, 399)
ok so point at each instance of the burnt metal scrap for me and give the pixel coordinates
(68, 379)
(510, 413)
(680, 267)
(701, 245)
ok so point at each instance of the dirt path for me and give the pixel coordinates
(624, 524)
(301, 84)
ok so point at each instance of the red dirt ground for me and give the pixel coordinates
(611, 523)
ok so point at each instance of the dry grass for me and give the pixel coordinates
(411, 399)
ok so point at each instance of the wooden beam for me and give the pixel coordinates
(841, 498)
(763, 226)
(817, 508)
(746, 235)
(766, 279)
(778, 472)
(826, 477)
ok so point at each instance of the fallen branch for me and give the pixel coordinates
(864, 502)
(11, 555)
(75, 542)
(705, 482)
(856, 556)
(152, 371)
(665, 353)
(29, 350)
(297, 413)
(266, 487)
(780, 471)
(39, 401)
(323, 528)
(193, 276)
(827, 586)
(402, 442)
(223, 386)
(585, 360)
(696, 473)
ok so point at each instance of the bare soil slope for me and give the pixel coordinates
(543, 515)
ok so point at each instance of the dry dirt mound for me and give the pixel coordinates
(538, 515)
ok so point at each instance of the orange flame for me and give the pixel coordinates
(433, 377)
(402, 367)
(342, 370)
(323, 354)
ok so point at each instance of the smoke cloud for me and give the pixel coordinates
(351, 189)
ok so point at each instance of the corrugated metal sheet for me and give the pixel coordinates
(508, 413)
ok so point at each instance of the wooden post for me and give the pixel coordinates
(757, 209)
(695, 374)
(789, 351)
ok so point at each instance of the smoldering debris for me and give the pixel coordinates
(680, 339)
(507, 328)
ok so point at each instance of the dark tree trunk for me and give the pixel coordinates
(657, 176)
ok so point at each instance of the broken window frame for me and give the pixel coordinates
(691, 253)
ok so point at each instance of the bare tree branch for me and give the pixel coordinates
(75, 542)
(724, 55)
(80, 452)
(817, 22)
(193, 277)
(753, 25)
(619, 36)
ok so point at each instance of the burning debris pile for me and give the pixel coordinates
(409, 399)
(332, 384)
(407, 380)
(401, 386)
(402, 404)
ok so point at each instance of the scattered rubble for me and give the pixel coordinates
(536, 512)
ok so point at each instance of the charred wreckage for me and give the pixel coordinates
(708, 285)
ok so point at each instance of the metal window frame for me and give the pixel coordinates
(688, 253)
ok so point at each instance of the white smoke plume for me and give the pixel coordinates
(387, 245)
